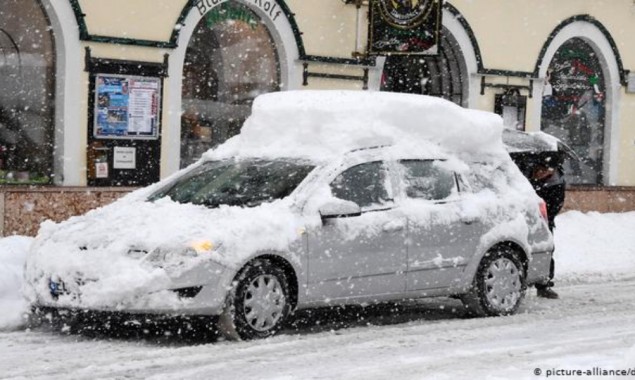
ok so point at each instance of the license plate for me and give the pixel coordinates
(57, 288)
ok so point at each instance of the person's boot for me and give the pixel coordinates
(547, 293)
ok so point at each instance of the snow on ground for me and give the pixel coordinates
(592, 325)
(593, 244)
(12, 256)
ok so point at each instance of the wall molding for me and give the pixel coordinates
(591, 20)
(85, 35)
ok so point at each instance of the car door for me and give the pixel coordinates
(441, 237)
(365, 254)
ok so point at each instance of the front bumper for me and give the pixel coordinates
(200, 291)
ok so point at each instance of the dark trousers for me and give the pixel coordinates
(552, 267)
(551, 273)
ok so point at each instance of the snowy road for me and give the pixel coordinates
(592, 325)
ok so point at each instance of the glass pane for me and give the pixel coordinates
(231, 58)
(245, 183)
(27, 81)
(573, 108)
(363, 184)
(426, 180)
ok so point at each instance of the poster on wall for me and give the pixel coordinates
(126, 106)
(405, 27)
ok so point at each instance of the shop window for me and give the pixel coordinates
(513, 108)
(573, 108)
(441, 75)
(231, 58)
(27, 86)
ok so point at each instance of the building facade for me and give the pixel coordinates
(100, 97)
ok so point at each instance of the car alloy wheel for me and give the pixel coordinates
(264, 302)
(258, 303)
(499, 285)
(503, 284)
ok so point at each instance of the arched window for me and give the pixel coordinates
(27, 87)
(573, 108)
(230, 59)
(443, 75)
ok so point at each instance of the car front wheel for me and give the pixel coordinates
(258, 303)
(499, 285)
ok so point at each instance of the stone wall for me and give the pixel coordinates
(23, 209)
(601, 199)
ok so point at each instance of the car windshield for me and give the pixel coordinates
(236, 183)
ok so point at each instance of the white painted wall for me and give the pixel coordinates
(69, 152)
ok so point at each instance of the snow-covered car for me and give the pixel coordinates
(325, 198)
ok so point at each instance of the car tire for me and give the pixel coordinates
(258, 303)
(499, 285)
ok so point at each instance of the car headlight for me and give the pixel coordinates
(202, 246)
(163, 255)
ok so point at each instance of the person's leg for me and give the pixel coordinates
(544, 290)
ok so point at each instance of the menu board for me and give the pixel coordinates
(126, 107)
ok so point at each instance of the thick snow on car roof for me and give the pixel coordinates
(323, 124)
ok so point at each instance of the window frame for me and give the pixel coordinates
(389, 184)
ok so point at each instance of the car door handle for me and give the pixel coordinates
(468, 221)
(393, 226)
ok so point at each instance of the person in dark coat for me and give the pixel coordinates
(547, 178)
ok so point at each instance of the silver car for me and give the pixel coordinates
(370, 226)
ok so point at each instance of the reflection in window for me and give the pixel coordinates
(439, 75)
(426, 180)
(231, 59)
(573, 107)
(26, 93)
(363, 184)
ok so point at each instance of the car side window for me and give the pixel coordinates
(363, 184)
(426, 179)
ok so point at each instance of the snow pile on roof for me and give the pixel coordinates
(323, 124)
(12, 256)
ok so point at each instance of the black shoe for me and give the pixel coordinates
(547, 293)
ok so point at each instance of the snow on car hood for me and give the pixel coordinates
(117, 245)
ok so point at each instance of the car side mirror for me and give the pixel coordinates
(340, 209)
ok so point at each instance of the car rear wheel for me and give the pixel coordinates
(499, 285)
(258, 303)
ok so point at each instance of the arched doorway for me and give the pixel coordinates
(230, 59)
(443, 75)
(27, 93)
(574, 108)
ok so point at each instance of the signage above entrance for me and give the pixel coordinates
(269, 7)
(405, 26)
